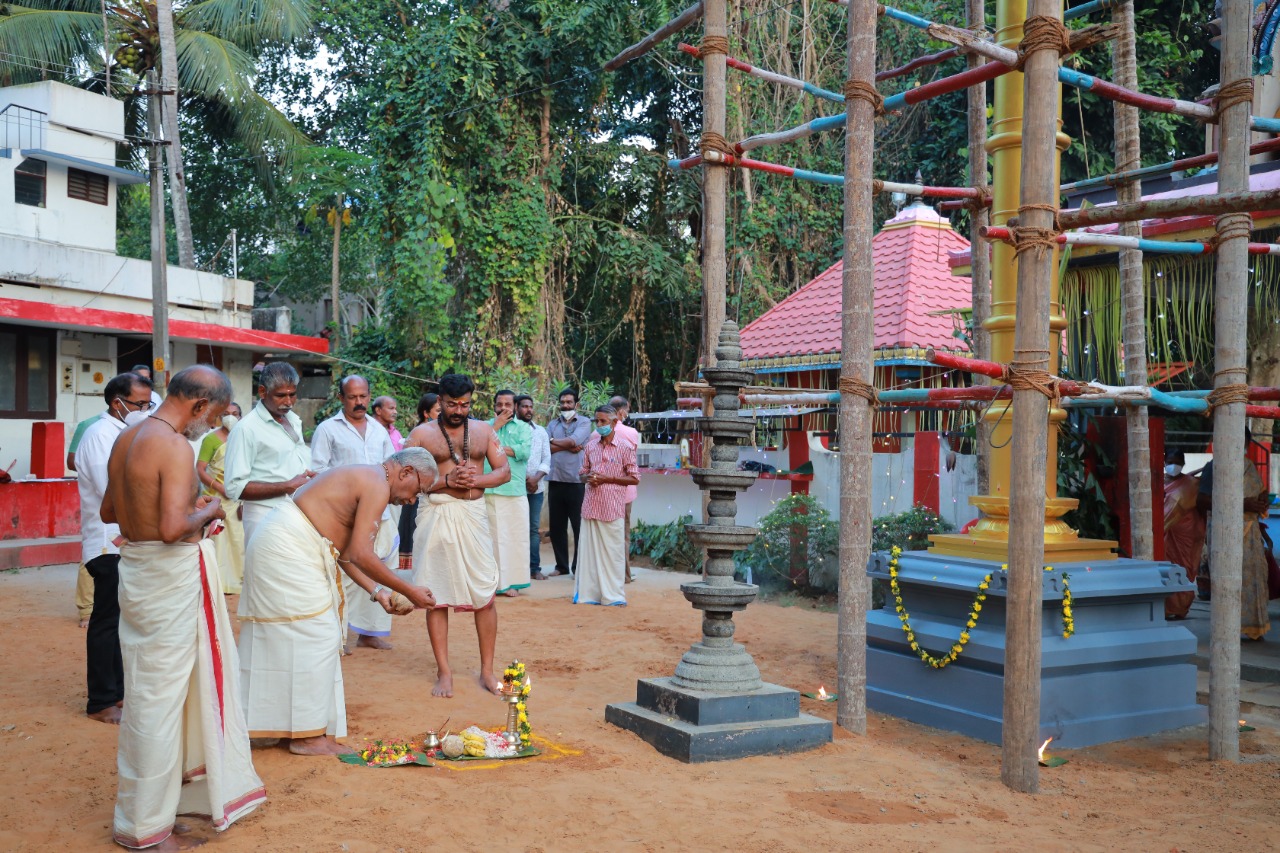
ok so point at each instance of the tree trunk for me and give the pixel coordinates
(979, 252)
(177, 175)
(1230, 321)
(334, 291)
(856, 334)
(715, 181)
(1133, 299)
(1028, 467)
(159, 259)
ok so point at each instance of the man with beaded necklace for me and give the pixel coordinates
(453, 546)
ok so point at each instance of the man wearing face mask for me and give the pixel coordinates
(1184, 529)
(568, 434)
(266, 457)
(608, 468)
(351, 437)
(507, 504)
(100, 546)
(211, 463)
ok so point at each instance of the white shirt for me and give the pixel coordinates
(260, 450)
(337, 442)
(539, 455)
(96, 536)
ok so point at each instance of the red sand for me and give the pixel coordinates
(901, 788)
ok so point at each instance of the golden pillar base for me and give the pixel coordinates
(989, 538)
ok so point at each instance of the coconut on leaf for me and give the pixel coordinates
(452, 746)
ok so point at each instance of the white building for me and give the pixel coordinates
(73, 313)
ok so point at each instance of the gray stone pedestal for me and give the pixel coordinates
(695, 726)
(1125, 672)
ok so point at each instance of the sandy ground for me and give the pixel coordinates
(901, 788)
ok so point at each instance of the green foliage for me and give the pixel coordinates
(667, 545)
(1093, 518)
(798, 547)
(908, 530)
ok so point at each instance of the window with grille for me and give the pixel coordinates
(26, 373)
(28, 182)
(86, 186)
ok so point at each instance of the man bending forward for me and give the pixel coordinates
(183, 747)
(453, 546)
(293, 596)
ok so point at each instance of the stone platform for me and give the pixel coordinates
(696, 726)
(1125, 672)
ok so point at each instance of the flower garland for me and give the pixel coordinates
(514, 680)
(905, 618)
(1068, 620)
(381, 754)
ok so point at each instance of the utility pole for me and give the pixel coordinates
(159, 259)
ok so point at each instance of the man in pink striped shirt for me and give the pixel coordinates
(626, 433)
(608, 467)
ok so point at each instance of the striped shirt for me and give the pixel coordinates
(607, 502)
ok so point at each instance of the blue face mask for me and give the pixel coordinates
(604, 430)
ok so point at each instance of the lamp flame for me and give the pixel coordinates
(1040, 753)
(822, 693)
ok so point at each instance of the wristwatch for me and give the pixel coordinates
(373, 593)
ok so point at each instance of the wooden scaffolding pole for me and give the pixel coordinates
(1128, 151)
(1231, 315)
(856, 376)
(715, 178)
(980, 217)
(1038, 204)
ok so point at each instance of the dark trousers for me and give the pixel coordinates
(564, 504)
(535, 541)
(102, 637)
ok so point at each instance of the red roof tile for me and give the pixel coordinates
(912, 279)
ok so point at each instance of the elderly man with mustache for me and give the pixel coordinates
(351, 437)
(266, 457)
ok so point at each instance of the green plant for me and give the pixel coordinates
(1093, 518)
(667, 545)
(798, 547)
(908, 530)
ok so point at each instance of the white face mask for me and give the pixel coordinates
(228, 421)
(1173, 470)
(569, 415)
(135, 418)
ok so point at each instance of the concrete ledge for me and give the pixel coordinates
(770, 702)
(694, 744)
(30, 553)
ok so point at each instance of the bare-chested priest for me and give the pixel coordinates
(292, 602)
(183, 746)
(452, 546)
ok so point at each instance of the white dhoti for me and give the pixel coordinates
(602, 563)
(509, 526)
(183, 746)
(228, 546)
(255, 512)
(367, 617)
(291, 639)
(453, 552)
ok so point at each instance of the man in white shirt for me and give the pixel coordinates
(266, 457)
(536, 470)
(351, 437)
(145, 372)
(100, 547)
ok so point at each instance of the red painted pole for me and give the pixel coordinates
(919, 62)
(956, 82)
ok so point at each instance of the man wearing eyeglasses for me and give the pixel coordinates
(100, 546)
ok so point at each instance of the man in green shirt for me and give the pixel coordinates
(508, 504)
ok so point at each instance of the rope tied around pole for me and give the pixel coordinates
(713, 44)
(877, 186)
(1025, 237)
(1028, 372)
(1233, 93)
(981, 200)
(712, 141)
(858, 388)
(863, 91)
(1234, 392)
(1043, 32)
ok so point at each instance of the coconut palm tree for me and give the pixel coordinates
(215, 42)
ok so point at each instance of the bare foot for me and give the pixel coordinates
(557, 573)
(110, 714)
(538, 576)
(512, 593)
(629, 578)
(444, 686)
(374, 642)
(177, 842)
(320, 745)
(488, 682)
(84, 623)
